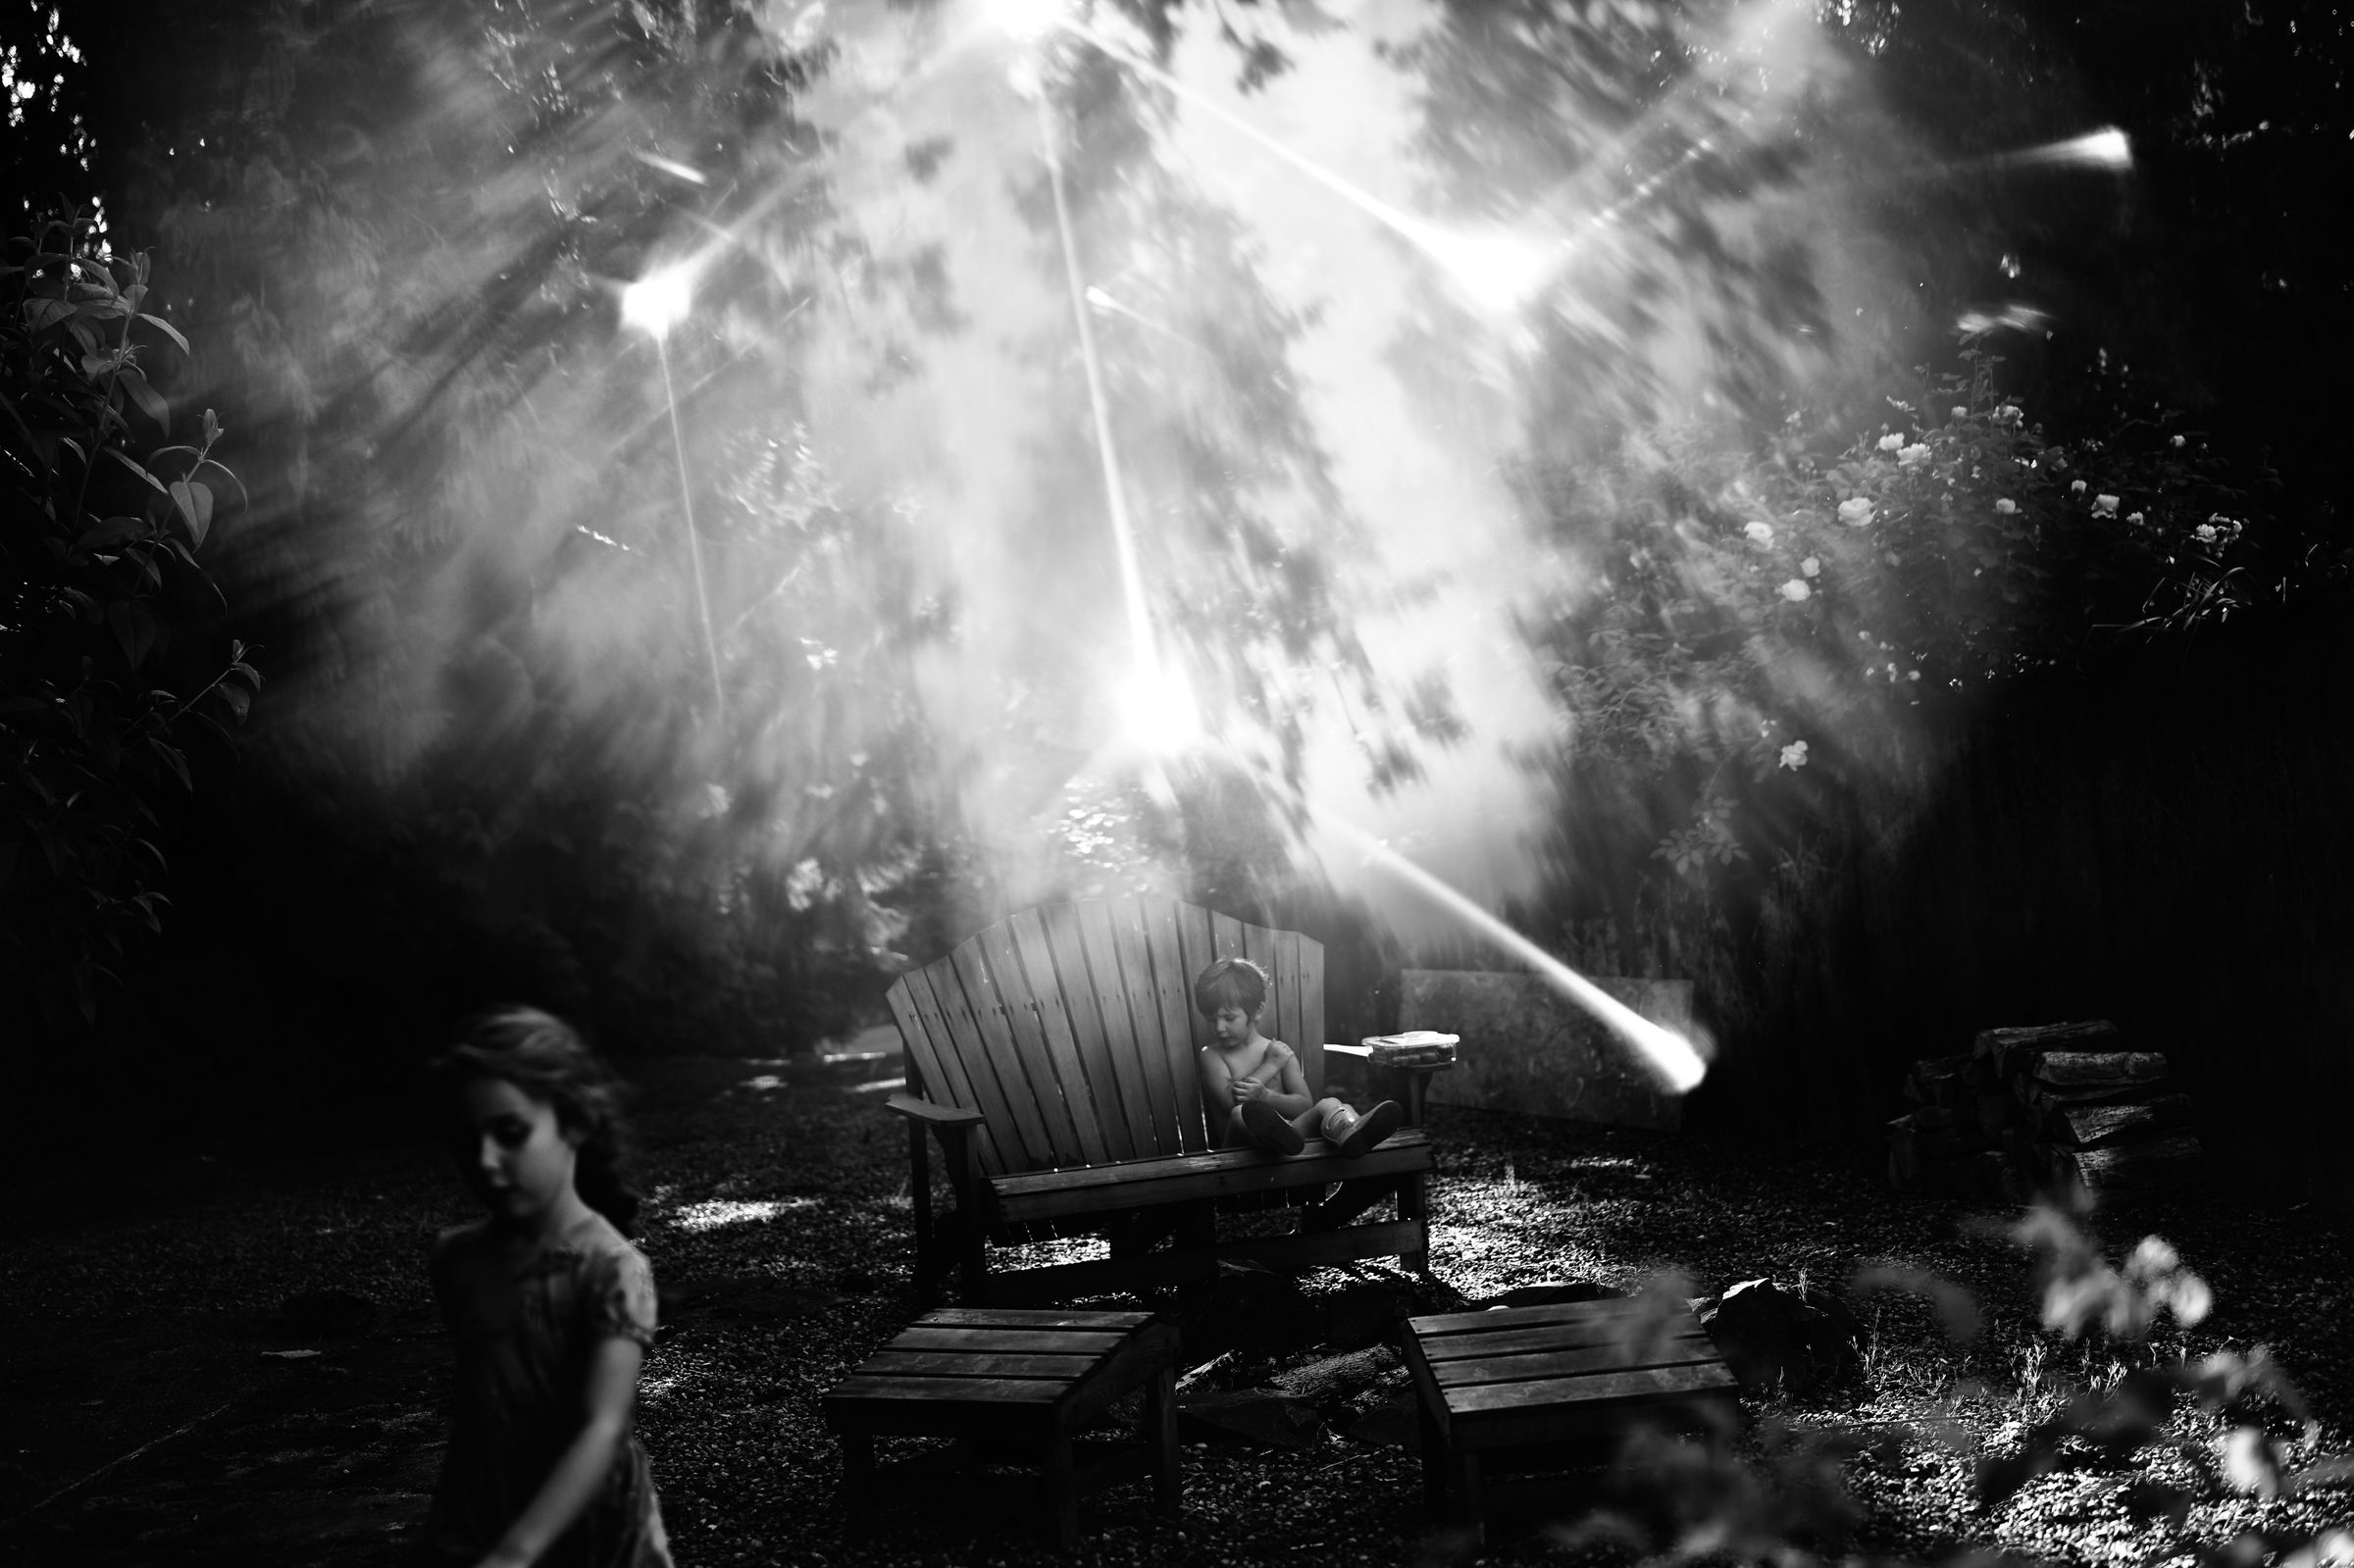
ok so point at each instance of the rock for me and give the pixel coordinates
(1336, 1380)
(1778, 1339)
(314, 1313)
(1386, 1419)
(1553, 1292)
(1258, 1416)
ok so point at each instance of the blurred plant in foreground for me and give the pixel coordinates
(101, 661)
(1783, 1496)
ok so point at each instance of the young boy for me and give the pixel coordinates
(1251, 1085)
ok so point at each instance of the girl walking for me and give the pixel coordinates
(553, 1310)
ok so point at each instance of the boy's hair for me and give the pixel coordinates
(545, 1057)
(1231, 981)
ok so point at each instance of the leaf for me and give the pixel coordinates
(173, 759)
(195, 504)
(42, 313)
(129, 463)
(237, 699)
(111, 531)
(167, 329)
(151, 402)
(134, 627)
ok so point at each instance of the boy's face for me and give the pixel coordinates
(1231, 1024)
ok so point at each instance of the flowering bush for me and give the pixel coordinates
(1744, 603)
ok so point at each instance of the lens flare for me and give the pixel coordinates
(1670, 1056)
(1496, 271)
(659, 301)
(1026, 19)
(2108, 148)
(1157, 714)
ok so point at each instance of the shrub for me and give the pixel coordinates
(103, 664)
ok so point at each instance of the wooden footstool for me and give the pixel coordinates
(1531, 1377)
(1010, 1379)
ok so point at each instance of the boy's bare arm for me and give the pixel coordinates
(1280, 1082)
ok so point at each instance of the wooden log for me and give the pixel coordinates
(2093, 1069)
(2095, 1125)
(2156, 1165)
(1947, 1081)
(2000, 1045)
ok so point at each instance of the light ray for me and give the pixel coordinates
(1670, 1056)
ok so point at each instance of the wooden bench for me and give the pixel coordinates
(1052, 1059)
(1531, 1383)
(1020, 1381)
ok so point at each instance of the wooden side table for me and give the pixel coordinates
(1008, 1378)
(1491, 1381)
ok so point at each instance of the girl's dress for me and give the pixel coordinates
(526, 1326)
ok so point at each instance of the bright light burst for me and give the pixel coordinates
(1027, 20)
(1668, 1055)
(659, 301)
(2107, 148)
(1495, 270)
(1156, 709)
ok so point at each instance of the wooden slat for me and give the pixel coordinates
(1494, 1322)
(1283, 974)
(1020, 1341)
(1386, 1239)
(1310, 987)
(1046, 1143)
(924, 1076)
(889, 1363)
(985, 1317)
(1686, 1351)
(948, 1390)
(1019, 1008)
(966, 1075)
(1184, 928)
(1144, 1101)
(1635, 1387)
(1225, 938)
(1027, 983)
(1112, 1075)
(1626, 1332)
(1185, 1177)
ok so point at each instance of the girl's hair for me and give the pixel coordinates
(544, 1057)
(1231, 981)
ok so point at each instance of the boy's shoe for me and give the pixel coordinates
(1270, 1128)
(1370, 1128)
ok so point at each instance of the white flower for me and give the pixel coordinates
(1891, 442)
(2007, 413)
(1911, 674)
(2135, 517)
(1794, 755)
(1812, 566)
(2077, 488)
(2177, 440)
(2006, 506)
(1760, 533)
(2104, 506)
(1915, 455)
(1959, 411)
(1796, 592)
(2205, 534)
(1855, 512)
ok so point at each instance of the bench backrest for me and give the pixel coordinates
(1071, 1027)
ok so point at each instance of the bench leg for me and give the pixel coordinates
(858, 1470)
(1467, 1480)
(1414, 1204)
(1434, 1458)
(1063, 1492)
(1161, 1434)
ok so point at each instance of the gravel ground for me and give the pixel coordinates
(152, 1414)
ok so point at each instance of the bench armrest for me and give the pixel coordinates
(931, 1114)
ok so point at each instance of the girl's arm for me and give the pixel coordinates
(1287, 1088)
(581, 1470)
